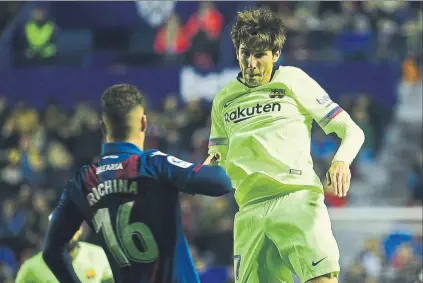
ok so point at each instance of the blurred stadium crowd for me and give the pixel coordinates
(40, 148)
(325, 31)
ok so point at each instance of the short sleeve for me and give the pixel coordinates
(218, 141)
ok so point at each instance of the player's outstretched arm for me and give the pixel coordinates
(209, 180)
(65, 222)
(190, 177)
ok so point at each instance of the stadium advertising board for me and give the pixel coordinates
(69, 85)
(376, 80)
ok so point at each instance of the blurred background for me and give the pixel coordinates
(56, 58)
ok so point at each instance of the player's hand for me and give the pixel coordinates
(338, 178)
(213, 159)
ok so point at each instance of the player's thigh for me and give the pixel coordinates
(256, 258)
(271, 267)
(300, 227)
(249, 240)
(265, 266)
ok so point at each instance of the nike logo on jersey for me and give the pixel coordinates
(242, 114)
(317, 262)
(228, 103)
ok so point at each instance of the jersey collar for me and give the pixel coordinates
(120, 147)
(274, 69)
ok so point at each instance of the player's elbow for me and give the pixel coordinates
(49, 257)
(222, 182)
(358, 135)
(362, 136)
(210, 181)
(51, 254)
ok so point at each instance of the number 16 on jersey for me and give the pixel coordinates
(122, 244)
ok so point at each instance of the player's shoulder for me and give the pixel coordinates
(33, 262)
(151, 157)
(80, 172)
(158, 158)
(76, 180)
(290, 74)
(232, 88)
(154, 152)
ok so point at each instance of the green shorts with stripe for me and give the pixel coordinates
(285, 235)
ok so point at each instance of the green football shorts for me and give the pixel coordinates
(284, 235)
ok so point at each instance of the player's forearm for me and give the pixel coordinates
(60, 264)
(55, 255)
(209, 181)
(65, 221)
(352, 137)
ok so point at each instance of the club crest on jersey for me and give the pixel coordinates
(277, 93)
(90, 273)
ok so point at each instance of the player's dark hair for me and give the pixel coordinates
(259, 29)
(116, 103)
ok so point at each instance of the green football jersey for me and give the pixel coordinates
(91, 266)
(264, 133)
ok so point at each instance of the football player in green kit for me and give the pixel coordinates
(261, 127)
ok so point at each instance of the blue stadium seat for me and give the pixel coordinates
(74, 46)
(142, 42)
(72, 41)
(355, 44)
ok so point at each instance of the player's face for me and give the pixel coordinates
(256, 65)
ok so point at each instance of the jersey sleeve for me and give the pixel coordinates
(65, 222)
(314, 99)
(187, 177)
(218, 141)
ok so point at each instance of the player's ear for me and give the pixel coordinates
(143, 123)
(276, 56)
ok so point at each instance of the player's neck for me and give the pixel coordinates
(138, 141)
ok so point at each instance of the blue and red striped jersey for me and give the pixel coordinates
(130, 198)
